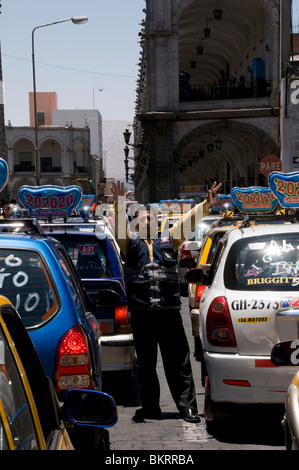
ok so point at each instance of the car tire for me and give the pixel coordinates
(215, 414)
(184, 290)
(90, 439)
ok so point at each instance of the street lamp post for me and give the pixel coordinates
(75, 20)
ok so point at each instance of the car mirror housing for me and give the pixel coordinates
(90, 408)
(195, 276)
(286, 353)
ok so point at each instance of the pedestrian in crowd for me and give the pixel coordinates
(5, 211)
(152, 281)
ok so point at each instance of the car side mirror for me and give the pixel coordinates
(90, 408)
(107, 298)
(286, 353)
(195, 276)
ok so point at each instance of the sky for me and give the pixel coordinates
(89, 66)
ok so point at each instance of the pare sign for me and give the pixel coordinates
(269, 164)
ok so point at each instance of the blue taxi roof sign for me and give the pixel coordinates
(220, 203)
(87, 200)
(4, 173)
(254, 200)
(285, 186)
(50, 200)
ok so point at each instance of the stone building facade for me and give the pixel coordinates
(65, 159)
(208, 103)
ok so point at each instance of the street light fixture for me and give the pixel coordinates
(75, 20)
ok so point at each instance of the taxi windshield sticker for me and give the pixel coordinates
(285, 186)
(87, 249)
(49, 201)
(254, 200)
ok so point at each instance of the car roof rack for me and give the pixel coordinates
(229, 219)
(64, 226)
(26, 225)
(268, 218)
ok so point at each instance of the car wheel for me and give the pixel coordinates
(287, 436)
(214, 413)
(184, 289)
(197, 348)
(90, 439)
(208, 403)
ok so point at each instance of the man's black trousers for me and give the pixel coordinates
(164, 328)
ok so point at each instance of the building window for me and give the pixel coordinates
(41, 118)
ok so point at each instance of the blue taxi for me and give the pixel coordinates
(94, 253)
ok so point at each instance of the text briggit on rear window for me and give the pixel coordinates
(265, 264)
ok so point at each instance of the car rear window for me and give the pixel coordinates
(265, 263)
(89, 257)
(25, 281)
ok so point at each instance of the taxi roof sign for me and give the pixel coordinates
(254, 200)
(220, 201)
(86, 200)
(285, 186)
(50, 201)
(3, 173)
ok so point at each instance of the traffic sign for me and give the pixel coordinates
(269, 164)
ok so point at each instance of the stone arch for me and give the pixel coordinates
(23, 154)
(244, 145)
(50, 155)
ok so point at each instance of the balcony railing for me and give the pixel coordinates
(226, 91)
(31, 169)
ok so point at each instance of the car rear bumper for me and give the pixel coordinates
(117, 352)
(247, 379)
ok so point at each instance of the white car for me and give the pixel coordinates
(250, 303)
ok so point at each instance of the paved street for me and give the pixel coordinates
(254, 429)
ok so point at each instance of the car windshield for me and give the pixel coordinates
(268, 263)
(88, 256)
(25, 281)
(201, 230)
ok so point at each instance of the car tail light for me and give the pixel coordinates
(219, 325)
(122, 322)
(73, 361)
(184, 252)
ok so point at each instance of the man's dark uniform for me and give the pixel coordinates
(153, 289)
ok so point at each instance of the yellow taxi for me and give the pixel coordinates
(204, 261)
(30, 414)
